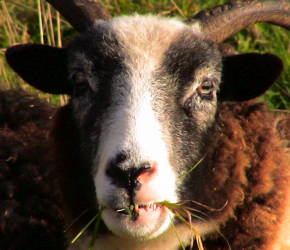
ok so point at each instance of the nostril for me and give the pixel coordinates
(145, 167)
(146, 172)
(116, 171)
(128, 177)
(120, 158)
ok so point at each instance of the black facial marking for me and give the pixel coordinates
(95, 58)
(100, 58)
(98, 55)
(187, 132)
(188, 53)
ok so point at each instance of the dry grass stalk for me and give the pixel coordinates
(40, 21)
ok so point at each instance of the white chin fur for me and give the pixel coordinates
(140, 229)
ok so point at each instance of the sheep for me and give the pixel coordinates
(18, 111)
(158, 119)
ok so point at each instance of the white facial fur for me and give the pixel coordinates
(131, 124)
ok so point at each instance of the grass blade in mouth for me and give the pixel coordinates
(210, 208)
(183, 210)
(199, 242)
(75, 220)
(133, 210)
(177, 236)
(180, 211)
(184, 214)
(95, 232)
(97, 217)
(192, 168)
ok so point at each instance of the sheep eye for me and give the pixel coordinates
(79, 78)
(205, 90)
(80, 82)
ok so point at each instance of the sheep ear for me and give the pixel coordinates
(42, 66)
(247, 76)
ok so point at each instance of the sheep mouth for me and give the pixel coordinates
(134, 210)
(142, 221)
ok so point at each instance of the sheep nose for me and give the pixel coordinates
(126, 176)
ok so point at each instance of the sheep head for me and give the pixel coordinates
(144, 92)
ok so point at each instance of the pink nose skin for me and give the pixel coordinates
(151, 186)
(148, 174)
(131, 178)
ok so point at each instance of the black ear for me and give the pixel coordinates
(247, 76)
(42, 66)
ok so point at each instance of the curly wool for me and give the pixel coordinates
(248, 165)
(251, 165)
(30, 217)
(247, 168)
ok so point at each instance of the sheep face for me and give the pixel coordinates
(143, 97)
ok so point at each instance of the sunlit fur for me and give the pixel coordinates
(133, 122)
(136, 86)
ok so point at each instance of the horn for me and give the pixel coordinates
(222, 21)
(81, 14)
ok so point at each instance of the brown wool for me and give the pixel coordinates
(248, 165)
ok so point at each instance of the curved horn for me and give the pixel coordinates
(222, 21)
(80, 13)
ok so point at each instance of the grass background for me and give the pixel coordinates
(26, 21)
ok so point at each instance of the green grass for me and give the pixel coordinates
(22, 18)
